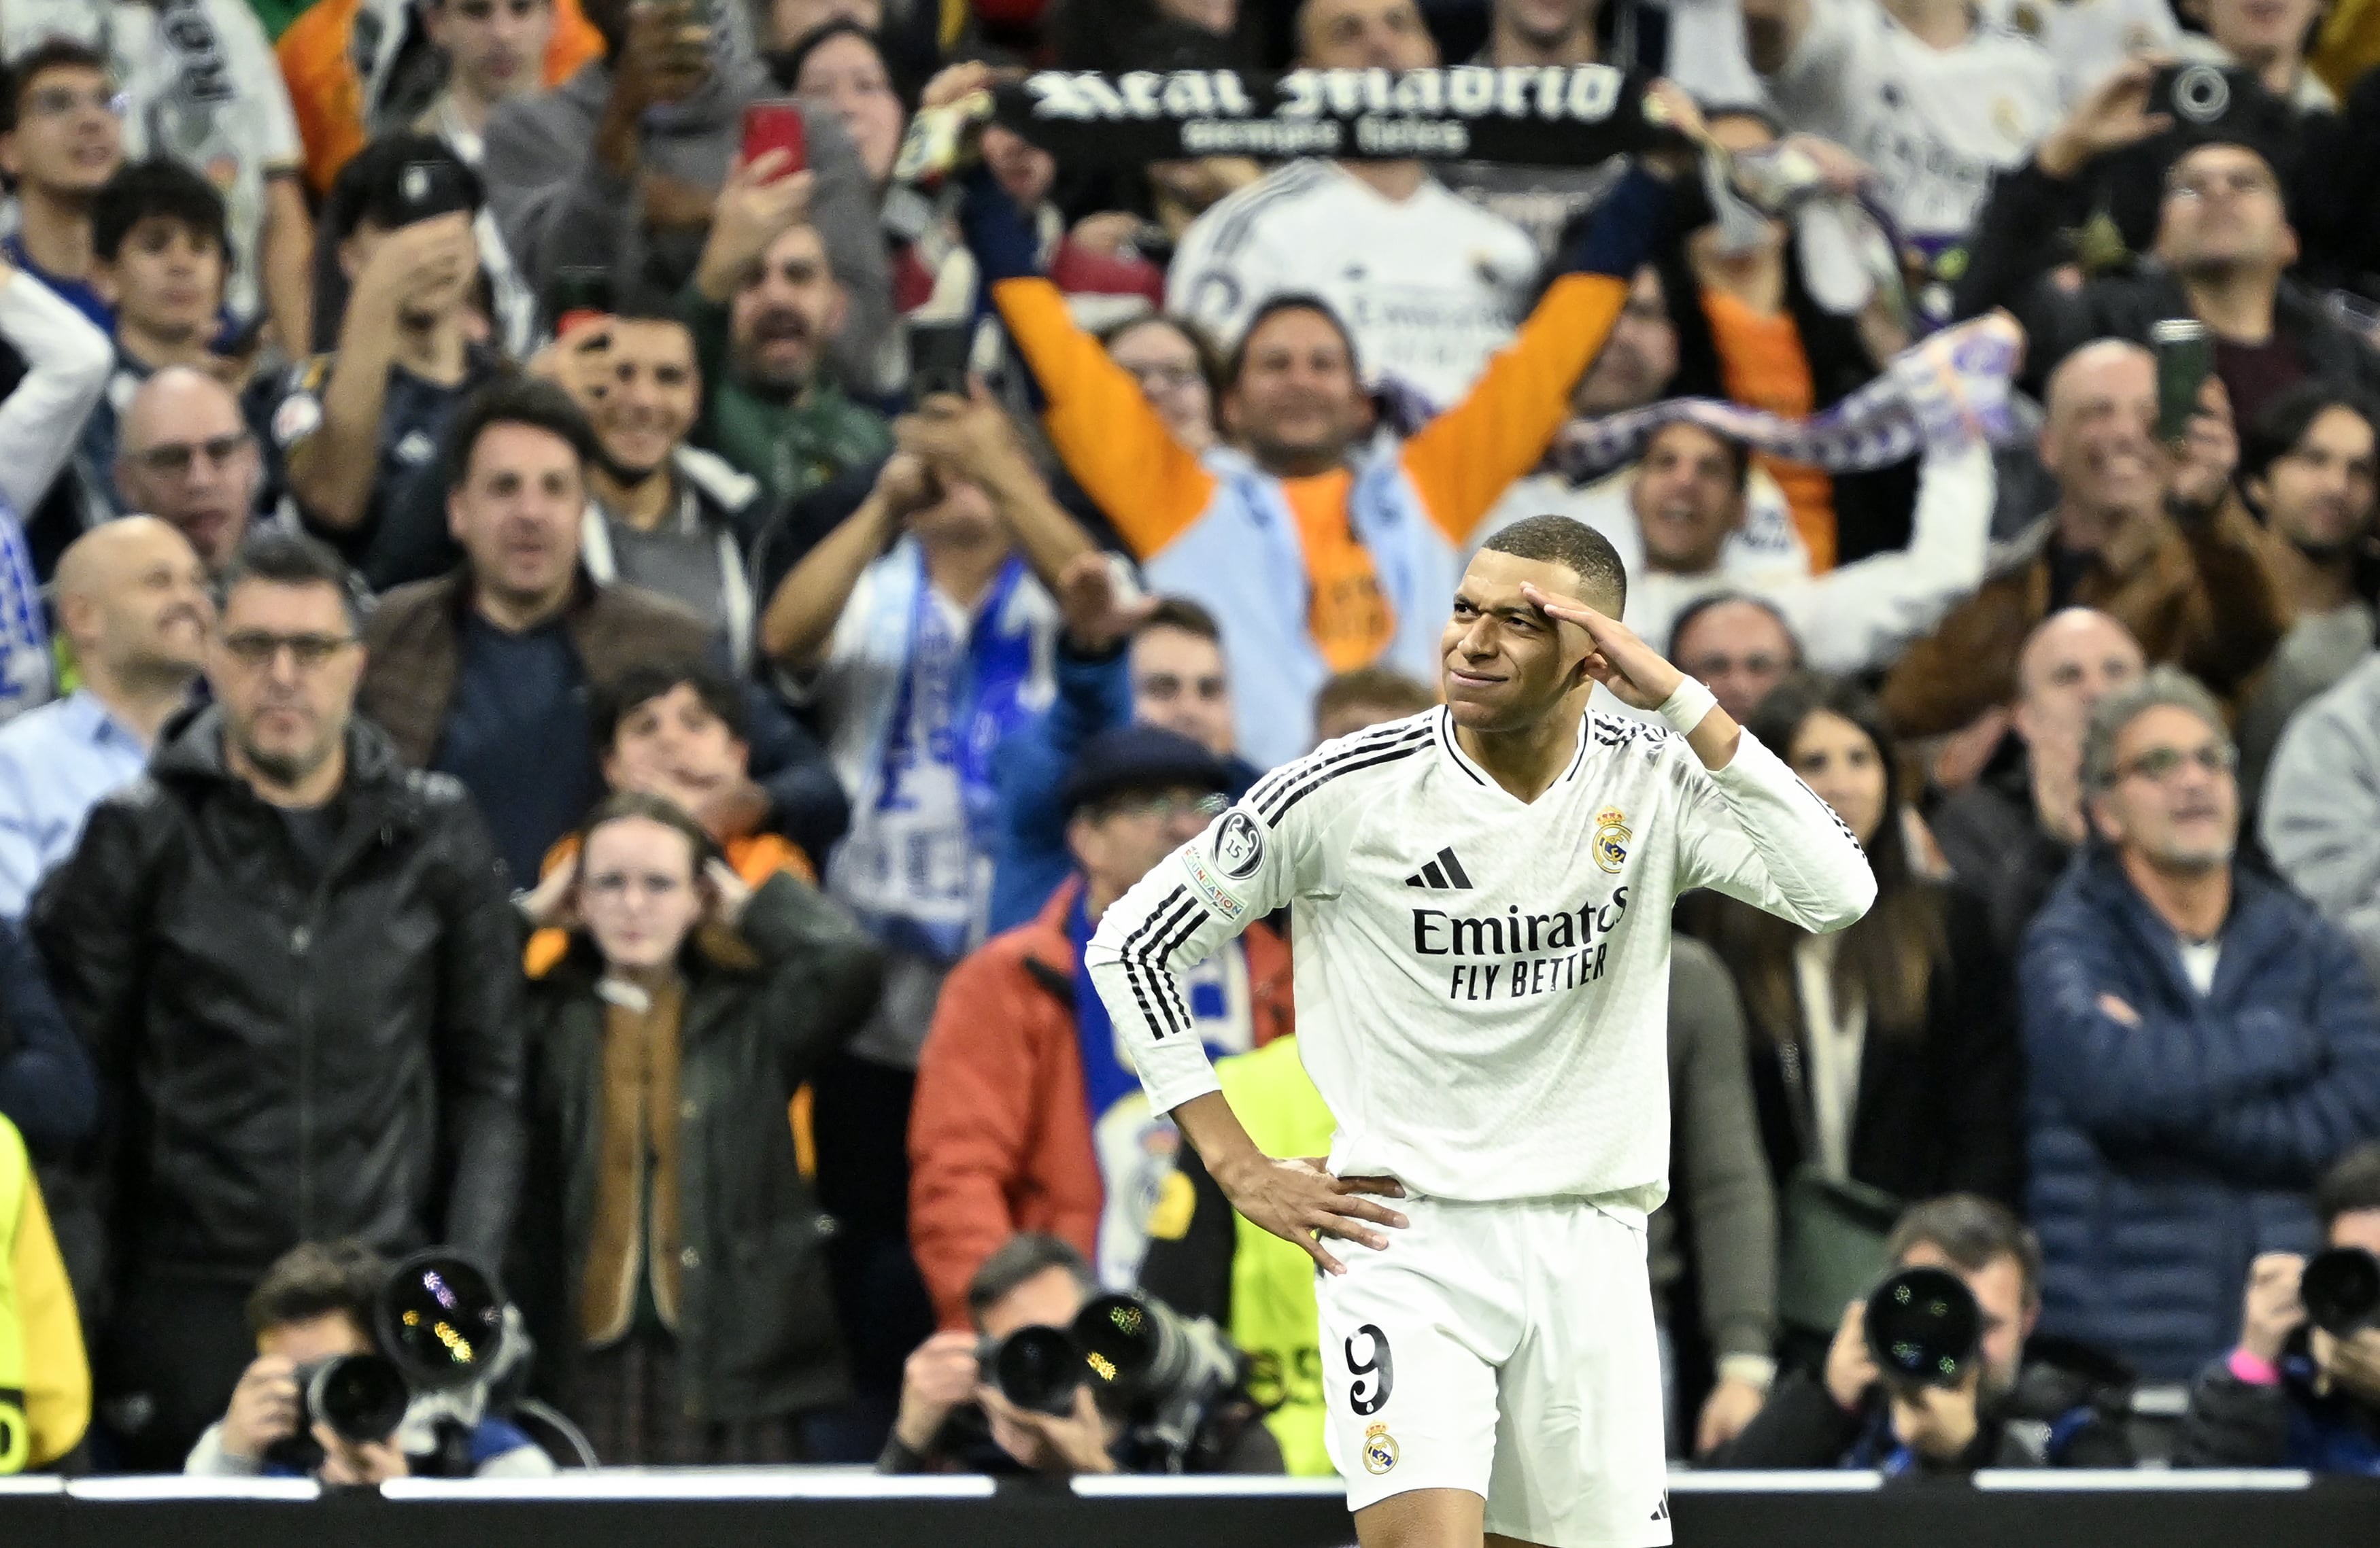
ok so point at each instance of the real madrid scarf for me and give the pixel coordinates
(1575, 116)
(1949, 390)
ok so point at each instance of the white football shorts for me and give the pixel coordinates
(1506, 1349)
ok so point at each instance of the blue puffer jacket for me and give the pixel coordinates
(2166, 1154)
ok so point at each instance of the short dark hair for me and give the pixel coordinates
(1693, 612)
(370, 187)
(159, 188)
(1383, 686)
(1552, 540)
(314, 1279)
(56, 52)
(647, 680)
(2275, 433)
(1180, 612)
(276, 556)
(517, 400)
(1018, 1259)
(1971, 1231)
(1236, 363)
(2351, 1186)
(1739, 455)
(786, 66)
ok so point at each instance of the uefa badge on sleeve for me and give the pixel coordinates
(1379, 1449)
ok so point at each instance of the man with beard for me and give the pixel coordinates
(2308, 469)
(661, 515)
(295, 964)
(2202, 1044)
(765, 306)
(132, 602)
(1848, 1417)
(359, 429)
(621, 166)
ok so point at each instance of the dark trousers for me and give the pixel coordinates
(173, 1349)
(862, 1124)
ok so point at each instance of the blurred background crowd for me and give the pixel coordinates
(588, 623)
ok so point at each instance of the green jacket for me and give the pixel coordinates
(763, 1009)
(791, 447)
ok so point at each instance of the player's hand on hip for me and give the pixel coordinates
(1636, 673)
(1300, 1201)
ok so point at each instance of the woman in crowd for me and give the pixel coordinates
(1886, 1053)
(1179, 369)
(672, 1257)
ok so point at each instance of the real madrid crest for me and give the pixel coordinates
(1611, 838)
(1379, 1449)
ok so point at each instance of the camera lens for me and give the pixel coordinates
(2341, 1289)
(1120, 1338)
(363, 1397)
(1038, 1368)
(1924, 1328)
(442, 1319)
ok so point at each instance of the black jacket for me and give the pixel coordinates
(1997, 848)
(1938, 1112)
(2065, 1411)
(2015, 248)
(2292, 1422)
(756, 1322)
(287, 1057)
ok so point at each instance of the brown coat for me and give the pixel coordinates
(999, 1134)
(2201, 595)
(415, 644)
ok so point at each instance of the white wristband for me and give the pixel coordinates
(1685, 707)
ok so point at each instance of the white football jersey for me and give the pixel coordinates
(1482, 984)
(1430, 287)
(1934, 123)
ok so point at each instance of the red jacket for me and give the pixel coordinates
(999, 1134)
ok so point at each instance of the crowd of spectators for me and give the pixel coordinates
(575, 693)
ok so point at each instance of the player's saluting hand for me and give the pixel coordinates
(1299, 1201)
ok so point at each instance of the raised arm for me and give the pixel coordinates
(800, 618)
(66, 362)
(971, 439)
(1463, 461)
(1107, 434)
(1858, 616)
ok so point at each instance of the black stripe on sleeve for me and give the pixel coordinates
(1305, 775)
(1128, 952)
(1388, 756)
(1265, 788)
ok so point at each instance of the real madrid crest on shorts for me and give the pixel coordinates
(1379, 1449)
(1611, 838)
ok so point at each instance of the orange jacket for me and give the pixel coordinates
(1000, 1138)
(326, 88)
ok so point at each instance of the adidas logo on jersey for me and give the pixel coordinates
(1661, 1511)
(1443, 874)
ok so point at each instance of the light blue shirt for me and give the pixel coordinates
(56, 763)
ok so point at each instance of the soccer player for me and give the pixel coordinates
(1480, 900)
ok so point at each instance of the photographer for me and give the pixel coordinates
(315, 1304)
(2006, 1411)
(2293, 1395)
(953, 1419)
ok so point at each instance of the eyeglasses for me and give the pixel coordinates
(1166, 806)
(256, 650)
(1163, 377)
(60, 101)
(2242, 182)
(2160, 764)
(173, 459)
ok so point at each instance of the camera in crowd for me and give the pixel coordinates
(1924, 1328)
(438, 1324)
(2341, 1290)
(1161, 1371)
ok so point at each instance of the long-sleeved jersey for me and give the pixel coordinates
(1481, 982)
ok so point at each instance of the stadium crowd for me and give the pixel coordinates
(581, 658)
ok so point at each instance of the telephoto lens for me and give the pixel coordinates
(442, 1319)
(1131, 1346)
(2341, 1290)
(363, 1397)
(1036, 1367)
(1924, 1328)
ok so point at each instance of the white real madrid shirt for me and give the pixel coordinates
(1482, 984)
(1430, 285)
(1934, 123)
